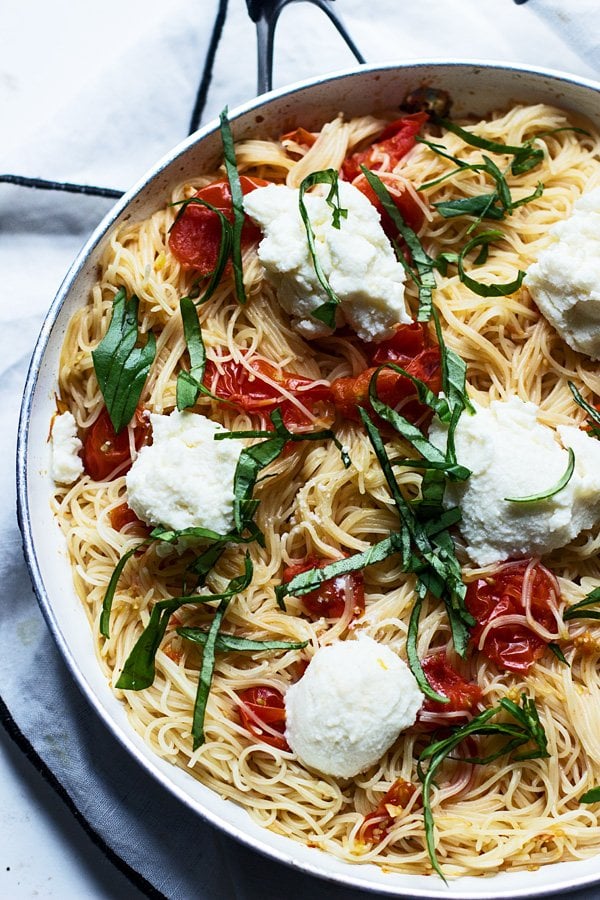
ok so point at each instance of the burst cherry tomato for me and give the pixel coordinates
(443, 678)
(254, 395)
(300, 136)
(377, 824)
(395, 142)
(195, 237)
(392, 388)
(513, 647)
(329, 599)
(266, 703)
(409, 209)
(104, 450)
(123, 515)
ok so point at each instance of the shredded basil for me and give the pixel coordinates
(189, 384)
(591, 796)
(121, 367)
(557, 651)
(424, 264)
(525, 156)
(225, 246)
(559, 486)
(139, 669)
(582, 609)
(236, 644)
(482, 290)
(237, 202)
(591, 411)
(112, 587)
(280, 430)
(527, 729)
(310, 580)
(326, 312)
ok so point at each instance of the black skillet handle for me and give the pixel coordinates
(265, 13)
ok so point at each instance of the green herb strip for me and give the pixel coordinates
(412, 654)
(591, 796)
(139, 669)
(233, 643)
(423, 263)
(309, 581)
(121, 367)
(326, 312)
(559, 486)
(581, 610)
(592, 412)
(225, 246)
(482, 290)
(557, 651)
(189, 384)
(527, 729)
(111, 588)
(526, 156)
(237, 202)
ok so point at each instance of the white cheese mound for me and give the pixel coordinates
(184, 478)
(349, 706)
(357, 259)
(565, 280)
(66, 462)
(511, 454)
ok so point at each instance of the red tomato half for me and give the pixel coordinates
(392, 388)
(443, 678)
(253, 395)
(103, 450)
(395, 141)
(377, 824)
(407, 206)
(123, 515)
(195, 237)
(512, 647)
(329, 599)
(267, 705)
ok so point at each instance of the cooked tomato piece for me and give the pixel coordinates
(254, 395)
(329, 599)
(300, 136)
(411, 211)
(195, 237)
(395, 141)
(392, 388)
(443, 678)
(123, 515)
(104, 450)
(266, 704)
(377, 824)
(514, 647)
(406, 343)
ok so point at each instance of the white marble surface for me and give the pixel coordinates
(44, 852)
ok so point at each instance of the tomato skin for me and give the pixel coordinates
(395, 140)
(104, 450)
(406, 343)
(123, 515)
(407, 206)
(443, 678)
(328, 599)
(268, 705)
(392, 388)
(377, 824)
(511, 647)
(195, 238)
(252, 395)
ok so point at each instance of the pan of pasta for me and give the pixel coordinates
(309, 477)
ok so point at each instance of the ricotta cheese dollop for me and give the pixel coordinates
(565, 280)
(66, 462)
(510, 454)
(184, 478)
(349, 706)
(357, 259)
